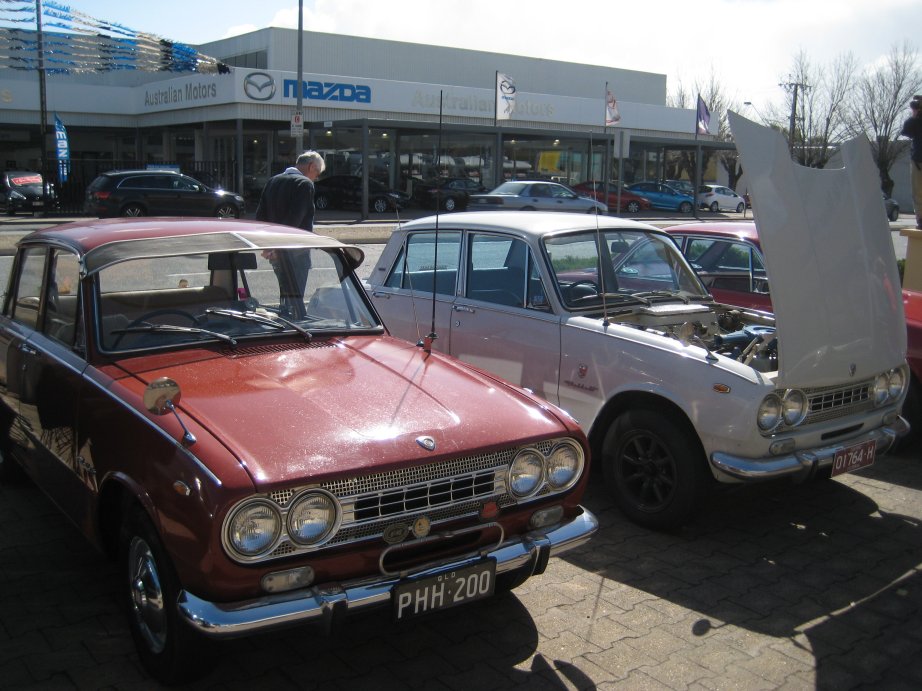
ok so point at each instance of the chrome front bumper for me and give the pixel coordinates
(804, 463)
(325, 603)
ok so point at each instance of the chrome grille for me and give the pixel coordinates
(833, 402)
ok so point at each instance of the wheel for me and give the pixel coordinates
(654, 468)
(169, 649)
(133, 210)
(379, 205)
(715, 207)
(633, 207)
(321, 201)
(894, 214)
(593, 210)
(685, 208)
(227, 211)
(450, 204)
(740, 208)
(912, 411)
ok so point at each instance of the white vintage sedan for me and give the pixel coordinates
(604, 317)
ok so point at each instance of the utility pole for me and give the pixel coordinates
(793, 87)
(43, 104)
(299, 139)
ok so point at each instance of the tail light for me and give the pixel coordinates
(101, 195)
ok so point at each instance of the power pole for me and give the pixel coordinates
(793, 87)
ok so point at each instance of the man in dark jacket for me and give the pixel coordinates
(912, 128)
(288, 198)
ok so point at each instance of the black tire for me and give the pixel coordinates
(594, 210)
(169, 649)
(912, 411)
(715, 207)
(740, 208)
(321, 201)
(654, 468)
(379, 205)
(227, 211)
(894, 214)
(133, 210)
(685, 208)
(633, 207)
(450, 204)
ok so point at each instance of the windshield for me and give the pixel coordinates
(228, 296)
(510, 188)
(639, 266)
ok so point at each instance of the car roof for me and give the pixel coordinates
(103, 242)
(530, 223)
(143, 171)
(741, 230)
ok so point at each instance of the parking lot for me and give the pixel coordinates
(775, 586)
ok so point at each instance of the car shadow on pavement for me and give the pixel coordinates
(818, 567)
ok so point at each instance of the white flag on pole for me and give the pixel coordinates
(505, 96)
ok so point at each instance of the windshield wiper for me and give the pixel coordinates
(267, 318)
(661, 294)
(147, 327)
(619, 297)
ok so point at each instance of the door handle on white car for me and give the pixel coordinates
(379, 294)
(463, 308)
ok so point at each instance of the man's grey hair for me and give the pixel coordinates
(309, 157)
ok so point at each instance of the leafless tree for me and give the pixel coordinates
(879, 106)
(821, 109)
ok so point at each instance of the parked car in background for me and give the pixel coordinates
(664, 197)
(535, 195)
(683, 186)
(196, 396)
(720, 198)
(607, 319)
(450, 194)
(608, 194)
(338, 191)
(157, 193)
(22, 191)
(892, 207)
(728, 259)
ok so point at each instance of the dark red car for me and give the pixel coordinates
(217, 405)
(608, 193)
(728, 258)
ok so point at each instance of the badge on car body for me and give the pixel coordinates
(428, 443)
(395, 533)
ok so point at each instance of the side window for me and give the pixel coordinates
(497, 270)
(27, 298)
(62, 302)
(421, 262)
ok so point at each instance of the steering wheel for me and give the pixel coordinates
(157, 313)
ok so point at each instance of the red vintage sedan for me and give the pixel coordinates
(728, 258)
(608, 193)
(217, 405)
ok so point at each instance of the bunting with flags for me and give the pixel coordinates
(703, 119)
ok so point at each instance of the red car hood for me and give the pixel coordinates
(353, 406)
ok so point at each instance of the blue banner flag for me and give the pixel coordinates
(704, 117)
(62, 147)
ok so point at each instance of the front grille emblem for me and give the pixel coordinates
(395, 533)
(428, 443)
(421, 526)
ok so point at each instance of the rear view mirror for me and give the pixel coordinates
(224, 261)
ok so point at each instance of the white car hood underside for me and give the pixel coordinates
(829, 256)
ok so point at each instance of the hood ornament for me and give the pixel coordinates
(428, 443)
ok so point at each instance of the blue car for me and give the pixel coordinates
(664, 197)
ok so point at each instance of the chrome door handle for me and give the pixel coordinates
(463, 308)
(377, 294)
(28, 350)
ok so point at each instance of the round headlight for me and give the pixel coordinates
(254, 528)
(312, 518)
(525, 473)
(897, 381)
(881, 389)
(564, 465)
(769, 413)
(794, 407)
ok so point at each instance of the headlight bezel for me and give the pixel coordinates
(332, 526)
(794, 407)
(233, 545)
(577, 470)
(512, 476)
(768, 419)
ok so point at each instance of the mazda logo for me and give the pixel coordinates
(260, 86)
(506, 87)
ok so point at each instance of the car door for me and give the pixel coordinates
(651, 192)
(539, 197)
(565, 200)
(420, 287)
(50, 371)
(732, 270)
(503, 322)
(190, 198)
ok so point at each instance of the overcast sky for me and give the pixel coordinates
(747, 44)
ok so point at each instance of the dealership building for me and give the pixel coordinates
(397, 112)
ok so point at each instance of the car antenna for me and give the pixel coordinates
(598, 240)
(426, 342)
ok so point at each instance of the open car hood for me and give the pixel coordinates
(834, 280)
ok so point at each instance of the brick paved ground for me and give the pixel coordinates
(777, 586)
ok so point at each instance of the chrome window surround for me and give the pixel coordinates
(442, 492)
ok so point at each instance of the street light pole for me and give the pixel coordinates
(299, 137)
(793, 86)
(42, 101)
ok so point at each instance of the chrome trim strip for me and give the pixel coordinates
(803, 462)
(322, 604)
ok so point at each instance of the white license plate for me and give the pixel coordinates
(854, 457)
(444, 590)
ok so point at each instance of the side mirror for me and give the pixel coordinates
(161, 397)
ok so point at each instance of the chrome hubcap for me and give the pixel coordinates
(146, 595)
